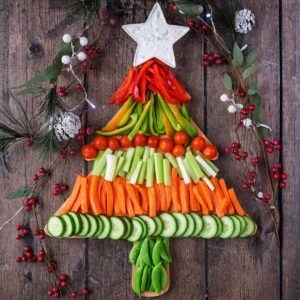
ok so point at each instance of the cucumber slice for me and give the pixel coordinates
(117, 228)
(169, 225)
(77, 221)
(250, 227)
(237, 226)
(100, 227)
(198, 223)
(210, 227)
(243, 223)
(56, 226)
(159, 226)
(220, 225)
(94, 226)
(106, 227)
(145, 229)
(86, 225)
(128, 228)
(150, 223)
(181, 222)
(228, 227)
(191, 226)
(137, 231)
(70, 225)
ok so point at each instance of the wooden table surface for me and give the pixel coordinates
(253, 268)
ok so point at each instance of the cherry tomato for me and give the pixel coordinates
(125, 143)
(181, 138)
(114, 144)
(153, 141)
(140, 140)
(89, 151)
(100, 142)
(178, 150)
(210, 151)
(198, 143)
(166, 145)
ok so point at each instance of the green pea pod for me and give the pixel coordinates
(151, 289)
(156, 278)
(149, 279)
(164, 254)
(163, 277)
(145, 255)
(144, 279)
(139, 261)
(166, 243)
(151, 246)
(156, 252)
(135, 251)
(137, 280)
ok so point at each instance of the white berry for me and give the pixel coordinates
(247, 122)
(67, 38)
(83, 41)
(232, 109)
(66, 59)
(81, 56)
(224, 98)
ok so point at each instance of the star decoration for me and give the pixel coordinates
(155, 38)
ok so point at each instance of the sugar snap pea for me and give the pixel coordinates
(156, 252)
(135, 251)
(137, 280)
(156, 278)
(144, 279)
(164, 254)
(145, 252)
(167, 248)
(151, 246)
(163, 277)
(149, 279)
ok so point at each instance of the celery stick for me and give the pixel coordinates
(150, 171)
(128, 159)
(99, 164)
(212, 165)
(111, 163)
(205, 166)
(194, 164)
(120, 164)
(207, 181)
(152, 151)
(122, 173)
(142, 174)
(136, 172)
(102, 174)
(167, 172)
(190, 170)
(185, 175)
(173, 162)
(159, 168)
(119, 153)
(137, 155)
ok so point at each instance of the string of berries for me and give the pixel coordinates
(212, 59)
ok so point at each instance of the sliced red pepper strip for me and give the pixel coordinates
(143, 86)
(178, 88)
(143, 70)
(152, 88)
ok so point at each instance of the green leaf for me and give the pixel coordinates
(256, 100)
(249, 71)
(47, 74)
(31, 90)
(23, 192)
(227, 82)
(190, 8)
(251, 56)
(237, 55)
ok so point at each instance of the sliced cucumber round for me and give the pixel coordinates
(145, 229)
(106, 227)
(117, 228)
(220, 225)
(243, 223)
(237, 226)
(56, 226)
(169, 225)
(228, 227)
(150, 223)
(181, 222)
(210, 227)
(159, 226)
(70, 225)
(190, 227)
(137, 231)
(250, 227)
(198, 223)
(77, 221)
(128, 227)
(94, 226)
(100, 227)
(86, 225)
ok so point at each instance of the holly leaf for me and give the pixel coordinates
(190, 8)
(256, 100)
(23, 192)
(249, 71)
(227, 82)
(31, 90)
(253, 89)
(237, 55)
(252, 56)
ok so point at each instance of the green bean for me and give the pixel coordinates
(156, 252)
(144, 279)
(145, 252)
(135, 251)
(137, 280)
(156, 278)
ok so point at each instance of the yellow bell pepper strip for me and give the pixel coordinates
(168, 128)
(126, 116)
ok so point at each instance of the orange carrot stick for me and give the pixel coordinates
(84, 196)
(224, 188)
(207, 195)
(119, 196)
(163, 197)
(133, 194)
(145, 202)
(236, 202)
(93, 194)
(103, 203)
(129, 206)
(168, 190)
(184, 197)
(193, 201)
(117, 208)
(175, 199)
(152, 201)
(221, 202)
(157, 196)
(109, 198)
(196, 190)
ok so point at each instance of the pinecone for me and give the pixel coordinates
(244, 21)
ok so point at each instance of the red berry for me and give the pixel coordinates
(64, 283)
(210, 58)
(24, 258)
(267, 197)
(218, 61)
(217, 55)
(103, 13)
(267, 142)
(63, 277)
(79, 87)
(18, 259)
(28, 207)
(205, 56)
(35, 177)
(234, 145)
(72, 152)
(33, 259)
(250, 181)
(56, 295)
(241, 120)
(81, 131)
(64, 187)
(282, 185)
(42, 236)
(252, 174)
(237, 157)
(55, 289)
(42, 170)
(80, 138)
(49, 269)
(33, 201)
(61, 89)
(74, 294)
(25, 231)
(235, 150)
(204, 27)
(227, 150)
(56, 185)
(244, 111)
(274, 170)
(245, 186)
(276, 176)
(278, 147)
(205, 64)
(270, 149)
(85, 292)
(244, 155)
(29, 143)
(19, 227)
(55, 192)
(27, 248)
(42, 252)
(276, 142)
(50, 293)
(283, 176)
(242, 94)
(278, 166)
(63, 155)
(112, 21)
(92, 66)
(28, 254)
(89, 131)
(252, 107)
(191, 23)
(255, 160)
(18, 237)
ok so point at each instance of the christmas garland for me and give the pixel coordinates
(57, 127)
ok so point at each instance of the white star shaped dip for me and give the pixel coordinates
(155, 38)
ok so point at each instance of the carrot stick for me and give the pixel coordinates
(193, 201)
(236, 202)
(207, 195)
(152, 201)
(117, 208)
(214, 200)
(169, 196)
(109, 198)
(163, 197)
(223, 186)
(84, 196)
(129, 206)
(157, 197)
(134, 198)
(93, 194)
(120, 195)
(221, 202)
(145, 202)
(175, 199)
(196, 190)
(184, 197)
(103, 203)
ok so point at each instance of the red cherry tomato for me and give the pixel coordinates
(210, 151)
(198, 143)
(178, 150)
(125, 143)
(181, 137)
(89, 151)
(153, 141)
(140, 140)
(166, 145)
(100, 142)
(114, 144)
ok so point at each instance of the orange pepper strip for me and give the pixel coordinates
(207, 195)
(168, 190)
(236, 202)
(196, 191)
(224, 188)
(152, 201)
(84, 196)
(93, 194)
(193, 201)
(109, 198)
(175, 199)
(134, 198)
(184, 197)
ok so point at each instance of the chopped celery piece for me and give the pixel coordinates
(194, 164)
(167, 172)
(119, 153)
(190, 170)
(205, 166)
(207, 181)
(137, 155)
(102, 174)
(185, 175)
(136, 172)
(128, 159)
(173, 162)
(152, 151)
(122, 173)
(99, 163)
(120, 164)
(159, 168)
(150, 171)
(211, 164)
(111, 164)
(142, 174)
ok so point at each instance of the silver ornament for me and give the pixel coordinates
(244, 21)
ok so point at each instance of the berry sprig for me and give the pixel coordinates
(212, 59)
